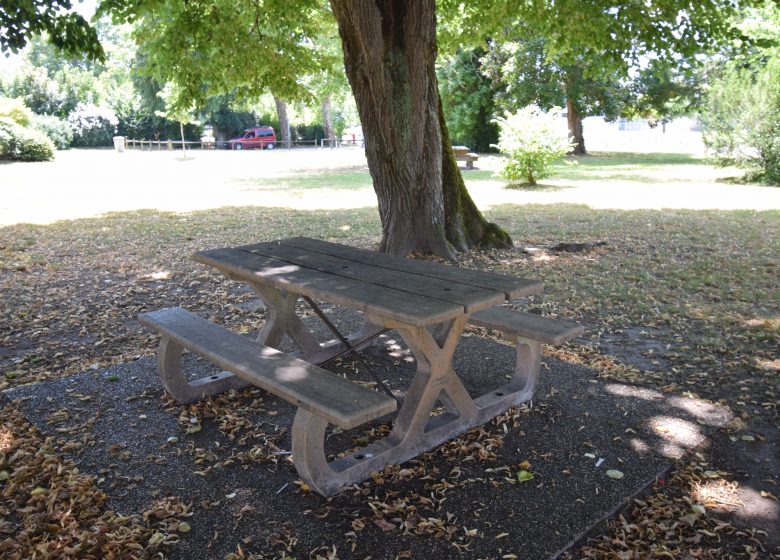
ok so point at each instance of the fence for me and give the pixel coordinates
(160, 145)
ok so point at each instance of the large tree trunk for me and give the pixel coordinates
(389, 57)
(284, 122)
(327, 121)
(575, 128)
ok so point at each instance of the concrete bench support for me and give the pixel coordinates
(322, 397)
(528, 331)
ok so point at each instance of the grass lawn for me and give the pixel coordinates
(680, 298)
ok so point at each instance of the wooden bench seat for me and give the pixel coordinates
(526, 325)
(305, 385)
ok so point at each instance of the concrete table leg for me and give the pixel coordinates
(415, 429)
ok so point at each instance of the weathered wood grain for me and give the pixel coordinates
(510, 286)
(409, 308)
(527, 325)
(470, 297)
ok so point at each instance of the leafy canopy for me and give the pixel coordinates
(20, 20)
(244, 47)
(602, 33)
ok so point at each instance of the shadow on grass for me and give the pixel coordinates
(356, 178)
(605, 159)
(539, 187)
(630, 166)
(748, 179)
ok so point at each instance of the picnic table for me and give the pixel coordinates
(428, 304)
(462, 153)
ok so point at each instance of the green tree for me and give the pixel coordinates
(524, 73)
(177, 112)
(665, 90)
(741, 111)
(468, 99)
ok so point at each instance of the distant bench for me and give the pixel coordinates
(462, 153)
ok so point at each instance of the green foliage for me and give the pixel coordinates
(610, 36)
(524, 72)
(227, 122)
(307, 132)
(665, 90)
(532, 141)
(53, 94)
(467, 97)
(741, 118)
(19, 143)
(55, 128)
(214, 47)
(92, 125)
(16, 110)
(20, 20)
(741, 114)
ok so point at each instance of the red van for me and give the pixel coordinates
(257, 137)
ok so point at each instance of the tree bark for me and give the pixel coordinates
(389, 56)
(183, 145)
(574, 120)
(327, 121)
(284, 122)
(466, 228)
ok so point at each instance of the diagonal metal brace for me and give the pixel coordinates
(350, 348)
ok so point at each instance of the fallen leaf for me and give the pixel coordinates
(612, 473)
(524, 476)
(384, 525)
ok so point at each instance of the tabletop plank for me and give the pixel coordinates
(387, 302)
(470, 297)
(512, 287)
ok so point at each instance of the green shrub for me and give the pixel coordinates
(741, 118)
(306, 132)
(16, 110)
(532, 140)
(18, 143)
(56, 129)
(92, 125)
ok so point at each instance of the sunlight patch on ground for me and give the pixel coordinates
(88, 183)
(717, 494)
(6, 440)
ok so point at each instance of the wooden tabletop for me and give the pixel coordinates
(415, 292)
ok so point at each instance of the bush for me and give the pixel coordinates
(532, 141)
(56, 129)
(16, 110)
(92, 125)
(305, 132)
(18, 143)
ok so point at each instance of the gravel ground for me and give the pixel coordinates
(463, 497)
